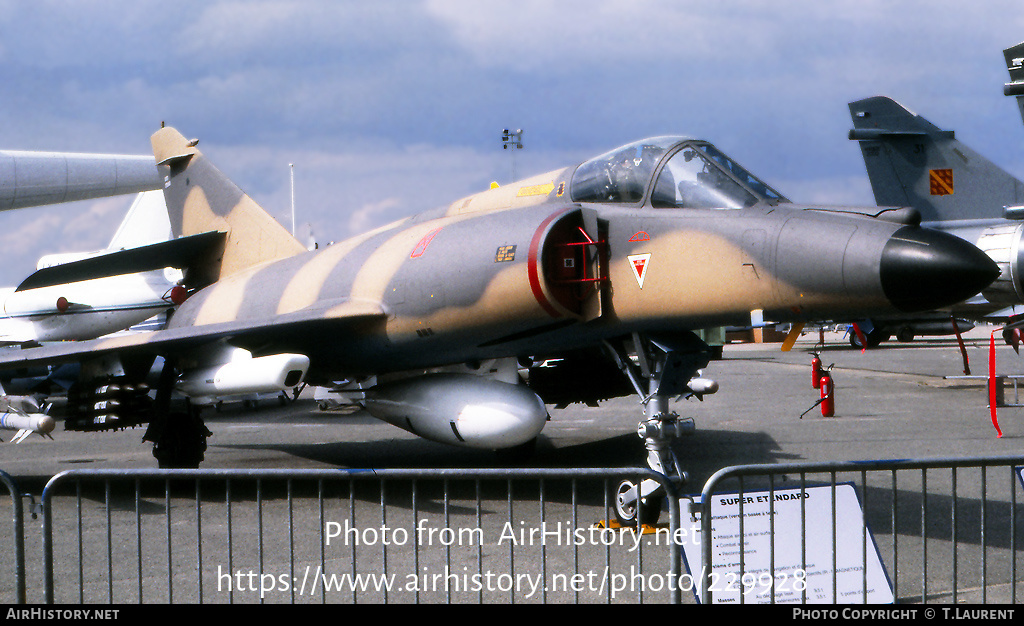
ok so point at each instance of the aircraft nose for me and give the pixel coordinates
(924, 269)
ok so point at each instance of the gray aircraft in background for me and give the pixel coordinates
(913, 163)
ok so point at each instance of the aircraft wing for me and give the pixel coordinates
(314, 321)
(180, 253)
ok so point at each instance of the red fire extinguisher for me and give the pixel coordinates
(815, 371)
(828, 395)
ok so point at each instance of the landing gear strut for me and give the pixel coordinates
(179, 439)
(665, 367)
(178, 433)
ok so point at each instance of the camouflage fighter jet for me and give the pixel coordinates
(608, 266)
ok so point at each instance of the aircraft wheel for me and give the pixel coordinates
(627, 514)
(874, 338)
(905, 334)
(181, 444)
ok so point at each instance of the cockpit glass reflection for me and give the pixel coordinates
(620, 175)
(745, 177)
(690, 180)
(697, 176)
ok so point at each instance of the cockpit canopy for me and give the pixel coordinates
(686, 173)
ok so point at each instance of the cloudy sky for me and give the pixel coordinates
(391, 107)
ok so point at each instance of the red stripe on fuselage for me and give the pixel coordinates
(534, 271)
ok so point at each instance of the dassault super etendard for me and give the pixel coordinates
(460, 324)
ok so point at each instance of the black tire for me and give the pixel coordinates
(181, 442)
(874, 338)
(905, 334)
(649, 510)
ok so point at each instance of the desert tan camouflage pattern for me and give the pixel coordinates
(517, 270)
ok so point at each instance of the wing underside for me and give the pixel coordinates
(299, 328)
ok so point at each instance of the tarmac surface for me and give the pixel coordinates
(896, 401)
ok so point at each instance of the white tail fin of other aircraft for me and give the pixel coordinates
(145, 223)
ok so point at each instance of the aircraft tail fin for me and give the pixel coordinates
(145, 223)
(912, 162)
(200, 198)
(1015, 66)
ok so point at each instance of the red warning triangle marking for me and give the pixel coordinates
(639, 263)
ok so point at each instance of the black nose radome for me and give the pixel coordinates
(924, 269)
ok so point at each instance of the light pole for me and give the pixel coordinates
(512, 140)
(291, 167)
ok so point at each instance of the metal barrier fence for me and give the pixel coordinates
(937, 530)
(280, 536)
(16, 538)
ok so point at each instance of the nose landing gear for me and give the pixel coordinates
(641, 504)
(664, 368)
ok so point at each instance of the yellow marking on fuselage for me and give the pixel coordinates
(352, 309)
(537, 190)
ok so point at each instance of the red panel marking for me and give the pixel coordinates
(421, 247)
(534, 272)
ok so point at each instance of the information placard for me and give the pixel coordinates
(799, 566)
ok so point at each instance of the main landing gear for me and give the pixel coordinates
(113, 395)
(176, 427)
(665, 367)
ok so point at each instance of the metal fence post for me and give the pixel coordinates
(276, 544)
(18, 530)
(862, 468)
